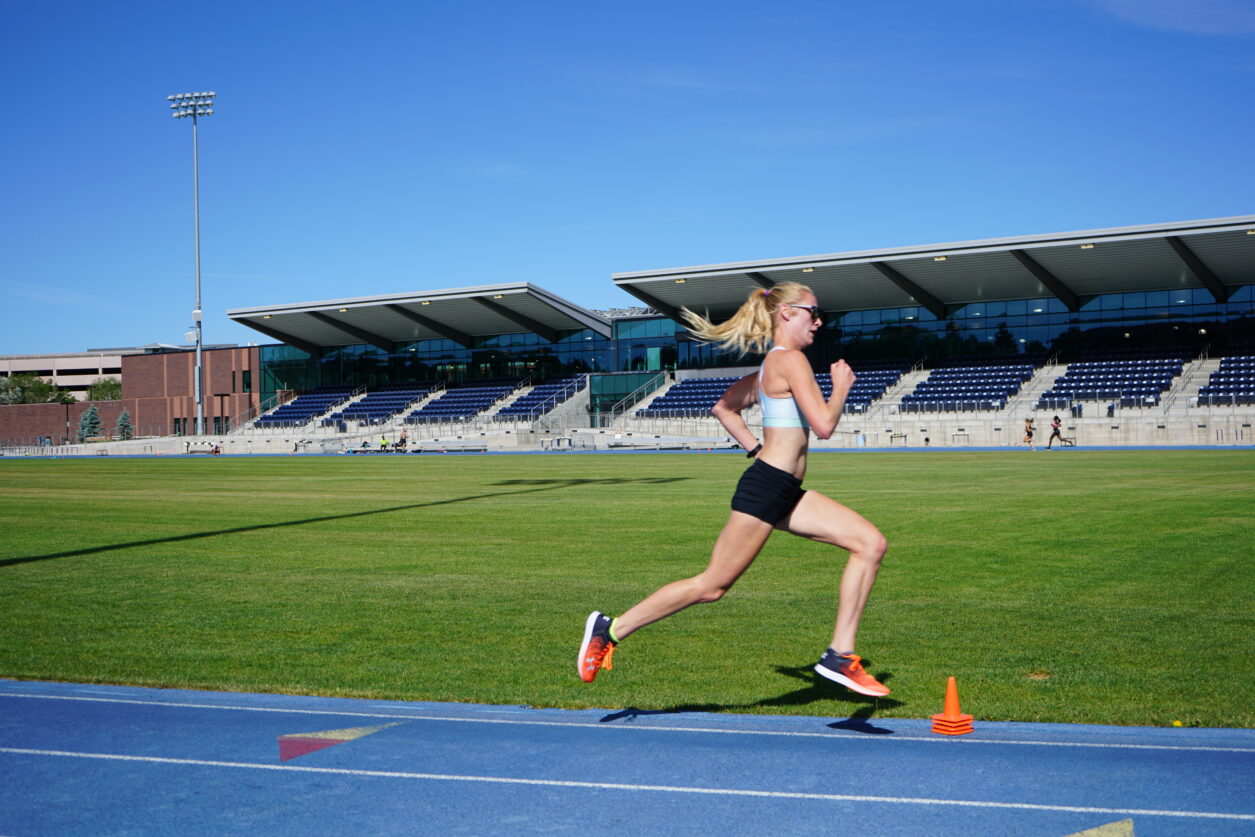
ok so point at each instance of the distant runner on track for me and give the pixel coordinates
(770, 494)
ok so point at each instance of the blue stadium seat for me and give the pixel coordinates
(1232, 384)
(694, 397)
(984, 386)
(542, 399)
(1128, 381)
(300, 410)
(461, 404)
(379, 406)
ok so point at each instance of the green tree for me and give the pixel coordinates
(124, 429)
(27, 388)
(1004, 340)
(46, 392)
(104, 389)
(89, 424)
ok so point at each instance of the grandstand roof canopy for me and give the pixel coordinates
(458, 314)
(1217, 254)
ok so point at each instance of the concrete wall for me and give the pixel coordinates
(729, 372)
(1130, 427)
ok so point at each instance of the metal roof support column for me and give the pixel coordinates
(760, 279)
(440, 328)
(515, 317)
(923, 297)
(353, 331)
(1204, 274)
(1065, 294)
(654, 303)
(303, 345)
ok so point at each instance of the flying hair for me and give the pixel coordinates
(750, 329)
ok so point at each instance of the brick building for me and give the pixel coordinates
(158, 390)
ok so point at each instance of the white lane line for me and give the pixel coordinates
(956, 741)
(560, 783)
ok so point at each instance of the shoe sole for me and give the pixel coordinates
(589, 624)
(838, 677)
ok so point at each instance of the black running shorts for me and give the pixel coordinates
(767, 493)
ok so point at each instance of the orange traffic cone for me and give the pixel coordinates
(952, 721)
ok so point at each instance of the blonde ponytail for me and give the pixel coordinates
(750, 329)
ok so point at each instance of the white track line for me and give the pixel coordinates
(559, 783)
(644, 728)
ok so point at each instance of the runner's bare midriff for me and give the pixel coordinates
(785, 448)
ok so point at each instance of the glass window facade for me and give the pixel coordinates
(608, 390)
(645, 344)
(1188, 318)
(520, 356)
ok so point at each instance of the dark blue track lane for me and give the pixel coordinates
(78, 759)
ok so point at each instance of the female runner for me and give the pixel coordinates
(770, 494)
(1056, 432)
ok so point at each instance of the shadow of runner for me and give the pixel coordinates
(858, 723)
(818, 689)
(540, 485)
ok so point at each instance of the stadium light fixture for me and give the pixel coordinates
(195, 105)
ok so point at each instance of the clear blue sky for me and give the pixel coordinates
(376, 147)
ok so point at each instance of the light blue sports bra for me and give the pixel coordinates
(779, 412)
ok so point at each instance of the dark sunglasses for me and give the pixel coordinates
(816, 314)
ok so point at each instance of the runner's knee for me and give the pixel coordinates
(706, 591)
(871, 547)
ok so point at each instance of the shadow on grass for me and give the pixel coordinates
(817, 689)
(558, 483)
(540, 485)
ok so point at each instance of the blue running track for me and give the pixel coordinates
(100, 760)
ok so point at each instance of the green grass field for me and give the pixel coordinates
(1094, 587)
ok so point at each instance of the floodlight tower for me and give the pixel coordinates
(195, 105)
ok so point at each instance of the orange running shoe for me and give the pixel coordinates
(847, 669)
(597, 648)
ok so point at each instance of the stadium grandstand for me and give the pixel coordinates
(1138, 335)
